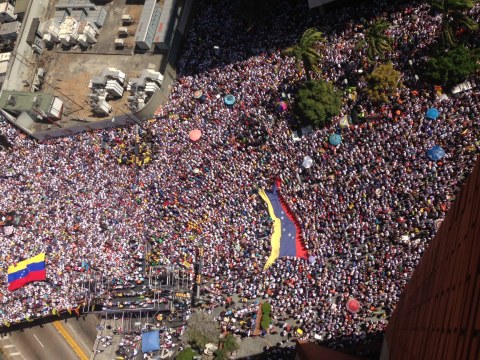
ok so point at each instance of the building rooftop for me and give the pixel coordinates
(64, 69)
(25, 101)
(68, 70)
(21, 6)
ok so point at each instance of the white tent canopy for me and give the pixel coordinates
(307, 162)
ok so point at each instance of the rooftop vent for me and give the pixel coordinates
(11, 100)
(37, 100)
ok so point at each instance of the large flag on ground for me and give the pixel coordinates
(287, 234)
(26, 271)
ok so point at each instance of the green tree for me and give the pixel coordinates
(383, 82)
(308, 51)
(317, 101)
(452, 67)
(201, 329)
(186, 354)
(454, 18)
(376, 40)
(230, 343)
(221, 354)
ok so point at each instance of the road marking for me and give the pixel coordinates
(73, 344)
(8, 346)
(38, 340)
(15, 354)
(4, 337)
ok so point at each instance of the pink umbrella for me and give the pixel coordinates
(353, 305)
(281, 106)
(195, 135)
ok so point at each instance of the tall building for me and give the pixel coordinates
(438, 315)
(309, 351)
(315, 3)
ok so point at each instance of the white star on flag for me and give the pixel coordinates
(289, 234)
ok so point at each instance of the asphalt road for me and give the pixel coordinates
(41, 343)
(83, 331)
(70, 339)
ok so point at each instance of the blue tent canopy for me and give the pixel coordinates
(432, 113)
(335, 139)
(151, 341)
(229, 99)
(436, 153)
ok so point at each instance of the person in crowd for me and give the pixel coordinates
(368, 208)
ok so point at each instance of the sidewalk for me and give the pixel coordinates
(254, 345)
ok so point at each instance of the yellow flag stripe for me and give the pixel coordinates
(23, 264)
(277, 231)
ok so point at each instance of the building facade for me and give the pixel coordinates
(438, 316)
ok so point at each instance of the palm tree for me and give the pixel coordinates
(454, 18)
(376, 40)
(307, 51)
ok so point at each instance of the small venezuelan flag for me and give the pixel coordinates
(26, 271)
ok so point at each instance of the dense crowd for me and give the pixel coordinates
(367, 208)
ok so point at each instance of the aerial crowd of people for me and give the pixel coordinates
(367, 207)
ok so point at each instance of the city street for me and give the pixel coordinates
(69, 340)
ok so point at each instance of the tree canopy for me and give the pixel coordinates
(307, 51)
(454, 18)
(376, 40)
(317, 101)
(383, 82)
(230, 343)
(201, 329)
(452, 67)
(221, 354)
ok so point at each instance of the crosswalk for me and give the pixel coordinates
(9, 348)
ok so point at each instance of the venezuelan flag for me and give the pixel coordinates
(26, 271)
(286, 238)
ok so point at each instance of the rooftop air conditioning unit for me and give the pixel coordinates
(11, 100)
(122, 31)
(119, 43)
(127, 19)
(37, 101)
